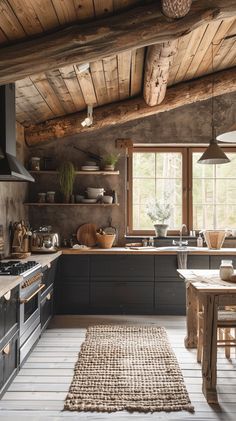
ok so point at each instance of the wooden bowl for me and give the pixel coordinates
(105, 241)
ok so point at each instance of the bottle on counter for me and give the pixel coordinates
(199, 241)
(35, 163)
(226, 270)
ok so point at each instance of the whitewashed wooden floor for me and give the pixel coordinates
(39, 390)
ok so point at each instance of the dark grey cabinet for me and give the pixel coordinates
(9, 360)
(46, 309)
(9, 308)
(72, 285)
(122, 284)
(49, 274)
(215, 261)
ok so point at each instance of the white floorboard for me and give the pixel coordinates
(38, 391)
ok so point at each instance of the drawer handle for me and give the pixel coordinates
(49, 296)
(6, 350)
(7, 296)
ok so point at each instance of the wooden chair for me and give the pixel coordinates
(226, 324)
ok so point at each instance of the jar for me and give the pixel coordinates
(51, 196)
(145, 242)
(226, 270)
(41, 197)
(35, 163)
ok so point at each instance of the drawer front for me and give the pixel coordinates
(121, 266)
(11, 310)
(170, 298)
(118, 294)
(215, 261)
(49, 274)
(8, 360)
(73, 266)
(198, 262)
(46, 309)
(72, 298)
(166, 266)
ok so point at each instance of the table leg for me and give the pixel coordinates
(209, 348)
(191, 314)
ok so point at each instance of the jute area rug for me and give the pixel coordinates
(127, 367)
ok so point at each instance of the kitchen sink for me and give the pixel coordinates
(177, 248)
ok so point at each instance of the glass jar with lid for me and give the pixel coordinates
(226, 270)
(35, 163)
(41, 197)
(51, 196)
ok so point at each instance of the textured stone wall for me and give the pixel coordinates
(190, 124)
(13, 195)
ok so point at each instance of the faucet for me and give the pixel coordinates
(181, 243)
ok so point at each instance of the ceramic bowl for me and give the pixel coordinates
(94, 193)
(107, 199)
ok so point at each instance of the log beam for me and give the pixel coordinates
(132, 109)
(158, 61)
(161, 56)
(176, 8)
(91, 41)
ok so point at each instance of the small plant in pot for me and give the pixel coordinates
(159, 215)
(110, 161)
(66, 180)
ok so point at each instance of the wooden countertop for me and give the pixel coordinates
(9, 282)
(149, 251)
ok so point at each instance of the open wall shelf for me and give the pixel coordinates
(79, 172)
(71, 204)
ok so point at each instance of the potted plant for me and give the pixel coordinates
(109, 161)
(159, 215)
(66, 179)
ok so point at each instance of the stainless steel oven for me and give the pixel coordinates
(30, 293)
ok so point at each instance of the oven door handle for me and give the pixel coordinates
(26, 300)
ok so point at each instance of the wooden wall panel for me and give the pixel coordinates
(70, 79)
(111, 77)
(137, 65)
(99, 82)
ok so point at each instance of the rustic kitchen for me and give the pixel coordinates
(117, 209)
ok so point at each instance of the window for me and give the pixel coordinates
(214, 194)
(201, 196)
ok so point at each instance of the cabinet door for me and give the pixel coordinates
(215, 261)
(11, 310)
(73, 266)
(170, 297)
(166, 266)
(10, 358)
(197, 262)
(46, 309)
(49, 274)
(122, 266)
(72, 298)
(122, 297)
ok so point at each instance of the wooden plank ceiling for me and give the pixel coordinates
(63, 91)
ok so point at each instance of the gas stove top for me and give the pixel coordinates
(16, 267)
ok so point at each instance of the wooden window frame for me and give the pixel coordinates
(130, 230)
(187, 184)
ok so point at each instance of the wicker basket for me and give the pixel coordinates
(105, 241)
(214, 239)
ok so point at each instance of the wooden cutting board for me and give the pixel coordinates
(86, 235)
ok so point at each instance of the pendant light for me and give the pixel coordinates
(213, 154)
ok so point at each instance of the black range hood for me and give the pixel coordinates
(10, 168)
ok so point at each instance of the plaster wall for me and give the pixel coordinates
(189, 124)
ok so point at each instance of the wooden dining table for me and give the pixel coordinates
(205, 287)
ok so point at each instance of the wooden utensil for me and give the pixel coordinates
(86, 235)
(109, 229)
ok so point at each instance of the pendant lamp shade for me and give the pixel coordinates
(213, 155)
(228, 137)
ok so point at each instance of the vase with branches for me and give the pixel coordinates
(160, 213)
(66, 179)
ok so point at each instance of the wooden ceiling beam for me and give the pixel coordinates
(157, 66)
(129, 110)
(91, 41)
(161, 56)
